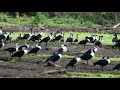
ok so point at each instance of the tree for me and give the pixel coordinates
(17, 14)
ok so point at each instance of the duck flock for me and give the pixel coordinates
(25, 49)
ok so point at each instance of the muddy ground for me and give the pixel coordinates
(51, 29)
(31, 69)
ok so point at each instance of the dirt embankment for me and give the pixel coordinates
(15, 28)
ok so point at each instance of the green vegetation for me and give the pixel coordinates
(7, 57)
(7, 20)
(92, 75)
(112, 59)
(107, 39)
(64, 20)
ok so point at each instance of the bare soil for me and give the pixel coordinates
(16, 28)
(37, 68)
(33, 69)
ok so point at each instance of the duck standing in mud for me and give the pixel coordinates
(104, 62)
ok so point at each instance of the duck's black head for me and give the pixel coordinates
(65, 44)
(94, 49)
(31, 28)
(115, 34)
(105, 57)
(101, 35)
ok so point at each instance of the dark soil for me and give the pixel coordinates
(33, 69)
(36, 68)
(51, 29)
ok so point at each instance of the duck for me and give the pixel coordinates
(117, 67)
(47, 39)
(70, 39)
(20, 53)
(98, 43)
(1, 32)
(73, 62)
(76, 40)
(62, 49)
(1, 43)
(89, 54)
(11, 50)
(103, 62)
(58, 38)
(84, 42)
(28, 35)
(54, 58)
(35, 49)
(9, 37)
(115, 39)
(92, 39)
(36, 37)
(26, 46)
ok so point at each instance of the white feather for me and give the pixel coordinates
(1, 32)
(108, 60)
(88, 40)
(3, 44)
(25, 51)
(16, 48)
(78, 59)
(94, 37)
(60, 56)
(92, 54)
(5, 35)
(41, 33)
(64, 48)
(51, 37)
(39, 47)
(95, 49)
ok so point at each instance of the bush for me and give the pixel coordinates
(67, 20)
(40, 18)
(4, 17)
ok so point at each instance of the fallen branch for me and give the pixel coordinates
(115, 26)
(55, 71)
(51, 64)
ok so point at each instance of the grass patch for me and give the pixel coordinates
(112, 59)
(107, 40)
(30, 57)
(91, 75)
(70, 23)
(7, 57)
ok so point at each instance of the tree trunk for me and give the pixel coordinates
(51, 14)
(115, 21)
(17, 14)
(63, 71)
(116, 18)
